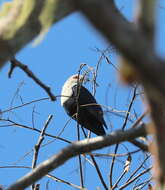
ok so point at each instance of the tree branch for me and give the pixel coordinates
(157, 148)
(124, 35)
(73, 150)
(146, 18)
(137, 47)
(38, 146)
(22, 20)
(15, 63)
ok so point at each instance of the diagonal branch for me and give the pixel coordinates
(145, 18)
(23, 20)
(137, 47)
(15, 63)
(38, 146)
(73, 150)
(124, 35)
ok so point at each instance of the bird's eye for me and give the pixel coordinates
(76, 77)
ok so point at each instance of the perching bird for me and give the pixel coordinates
(76, 98)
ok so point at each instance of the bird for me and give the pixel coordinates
(75, 98)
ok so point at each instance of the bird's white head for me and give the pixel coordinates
(67, 88)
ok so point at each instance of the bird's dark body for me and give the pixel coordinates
(90, 114)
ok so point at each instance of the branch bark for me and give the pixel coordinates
(133, 43)
(73, 150)
(22, 20)
(130, 41)
(18, 28)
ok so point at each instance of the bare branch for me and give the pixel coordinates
(16, 63)
(138, 168)
(124, 35)
(65, 182)
(73, 150)
(148, 67)
(157, 148)
(48, 175)
(96, 166)
(38, 145)
(123, 127)
(13, 123)
(79, 159)
(24, 20)
(140, 145)
(136, 177)
(146, 18)
(25, 104)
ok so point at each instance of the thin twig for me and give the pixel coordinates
(25, 104)
(141, 165)
(95, 75)
(117, 145)
(38, 145)
(78, 129)
(144, 183)
(73, 150)
(65, 182)
(107, 59)
(96, 166)
(126, 169)
(15, 63)
(129, 107)
(140, 119)
(111, 155)
(119, 179)
(33, 116)
(79, 159)
(140, 145)
(133, 179)
(48, 175)
(34, 129)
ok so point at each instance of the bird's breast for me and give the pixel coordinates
(66, 93)
(70, 106)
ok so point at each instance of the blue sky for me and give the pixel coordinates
(69, 43)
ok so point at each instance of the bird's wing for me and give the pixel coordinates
(83, 94)
(87, 101)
